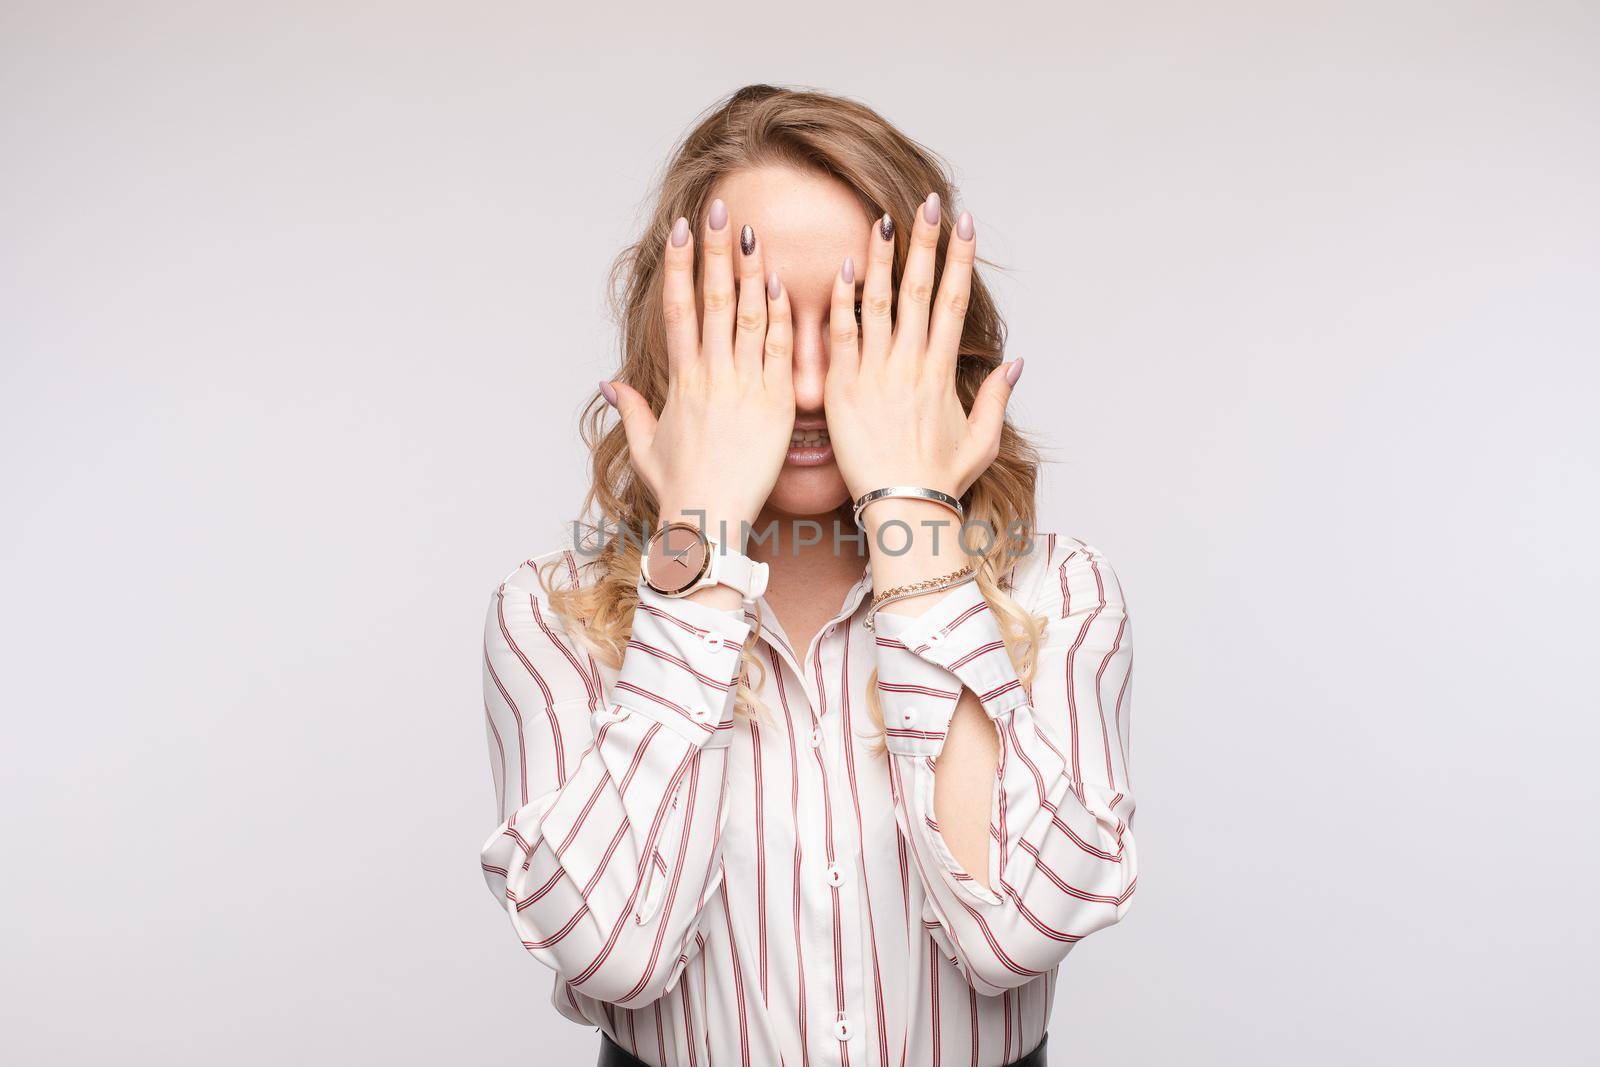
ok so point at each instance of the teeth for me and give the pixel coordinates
(808, 438)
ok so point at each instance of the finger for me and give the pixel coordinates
(988, 412)
(777, 367)
(916, 284)
(877, 294)
(716, 298)
(955, 289)
(751, 326)
(844, 356)
(677, 297)
(638, 421)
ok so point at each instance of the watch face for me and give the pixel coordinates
(676, 558)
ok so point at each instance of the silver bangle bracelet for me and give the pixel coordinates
(913, 492)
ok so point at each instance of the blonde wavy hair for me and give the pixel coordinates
(845, 140)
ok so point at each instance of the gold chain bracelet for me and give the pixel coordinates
(927, 585)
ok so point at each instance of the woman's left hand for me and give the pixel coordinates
(894, 416)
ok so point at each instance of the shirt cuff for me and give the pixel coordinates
(682, 665)
(924, 662)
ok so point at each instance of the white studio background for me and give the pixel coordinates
(298, 303)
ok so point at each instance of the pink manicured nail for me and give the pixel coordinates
(608, 392)
(849, 271)
(719, 214)
(964, 226)
(1014, 371)
(774, 287)
(680, 232)
(930, 209)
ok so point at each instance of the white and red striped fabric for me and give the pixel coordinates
(711, 890)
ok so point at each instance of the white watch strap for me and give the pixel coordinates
(736, 570)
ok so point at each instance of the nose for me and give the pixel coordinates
(810, 365)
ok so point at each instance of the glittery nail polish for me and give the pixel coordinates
(886, 227)
(747, 240)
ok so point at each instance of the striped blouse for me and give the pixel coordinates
(715, 890)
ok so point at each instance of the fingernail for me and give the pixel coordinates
(886, 227)
(1014, 371)
(747, 240)
(719, 214)
(608, 392)
(930, 209)
(774, 287)
(964, 226)
(680, 232)
(849, 271)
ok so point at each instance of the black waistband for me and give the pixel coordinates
(614, 1055)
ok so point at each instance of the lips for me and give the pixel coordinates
(809, 448)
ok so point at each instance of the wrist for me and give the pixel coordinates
(909, 540)
(909, 568)
(720, 597)
(728, 526)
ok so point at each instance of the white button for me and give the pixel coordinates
(714, 641)
(700, 713)
(816, 738)
(935, 637)
(836, 876)
(841, 1029)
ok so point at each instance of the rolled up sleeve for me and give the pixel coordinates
(612, 801)
(1062, 861)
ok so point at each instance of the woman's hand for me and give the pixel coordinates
(893, 413)
(725, 425)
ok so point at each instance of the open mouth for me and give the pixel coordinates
(808, 448)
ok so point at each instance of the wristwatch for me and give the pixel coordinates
(679, 558)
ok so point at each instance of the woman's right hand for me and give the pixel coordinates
(713, 455)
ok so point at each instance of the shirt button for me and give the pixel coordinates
(910, 717)
(842, 1029)
(816, 738)
(714, 641)
(835, 876)
(935, 637)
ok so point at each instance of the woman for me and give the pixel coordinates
(776, 788)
